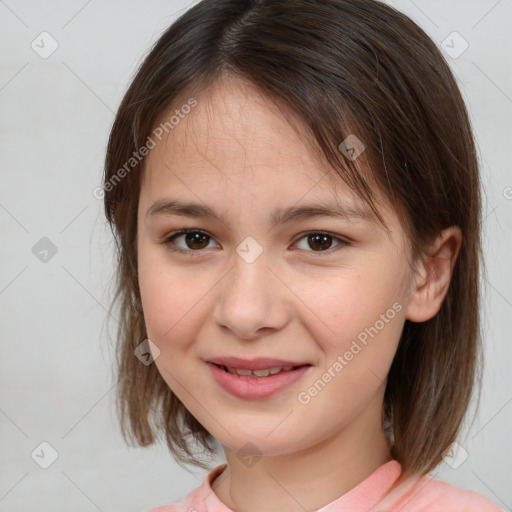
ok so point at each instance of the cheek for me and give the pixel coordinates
(344, 303)
(358, 317)
(172, 301)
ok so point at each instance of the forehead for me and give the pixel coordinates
(237, 137)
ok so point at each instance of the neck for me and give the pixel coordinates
(308, 479)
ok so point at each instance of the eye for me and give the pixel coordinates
(321, 241)
(193, 241)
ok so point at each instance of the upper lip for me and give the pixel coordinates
(259, 363)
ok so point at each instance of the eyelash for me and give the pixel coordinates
(175, 234)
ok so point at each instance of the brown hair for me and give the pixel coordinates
(343, 67)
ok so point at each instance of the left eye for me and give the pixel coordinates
(194, 241)
(321, 242)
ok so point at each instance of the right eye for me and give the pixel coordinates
(192, 241)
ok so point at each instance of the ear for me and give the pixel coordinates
(433, 276)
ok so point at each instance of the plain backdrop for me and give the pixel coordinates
(57, 254)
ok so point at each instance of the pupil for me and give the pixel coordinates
(196, 238)
(319, 239)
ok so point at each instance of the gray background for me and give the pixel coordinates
(56, 382)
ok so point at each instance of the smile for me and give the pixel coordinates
(256, 384)
(257, 373)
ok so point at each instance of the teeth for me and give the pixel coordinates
(241, 372)
(261, 373)
(257, 373)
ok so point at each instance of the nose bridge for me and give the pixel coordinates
(251, 298)
(249, 281)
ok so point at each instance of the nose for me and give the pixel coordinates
(251, 301)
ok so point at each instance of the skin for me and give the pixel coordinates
(236, 153)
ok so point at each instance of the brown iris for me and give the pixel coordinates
(319, 240)
(196, 240)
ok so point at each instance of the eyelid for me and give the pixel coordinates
(167, 240)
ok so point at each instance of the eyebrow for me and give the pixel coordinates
(277, 217)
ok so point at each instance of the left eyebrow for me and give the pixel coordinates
(277, 217)
(346, 212)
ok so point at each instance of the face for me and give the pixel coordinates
(251, 280)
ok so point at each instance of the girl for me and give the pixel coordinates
(294, 191)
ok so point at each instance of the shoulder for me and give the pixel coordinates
(192, 503)
(199, 499)
(428, 494)
(443, 496)
(176, 507)
(187, 505)
(165, 508)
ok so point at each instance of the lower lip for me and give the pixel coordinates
(256, 387)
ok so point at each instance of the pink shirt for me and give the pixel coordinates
(418, 494)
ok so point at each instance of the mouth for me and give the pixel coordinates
(259, 374)
(254, 384)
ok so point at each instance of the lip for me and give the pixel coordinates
(259, 363)
(256, 387)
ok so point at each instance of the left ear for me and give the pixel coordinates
(434, 275)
